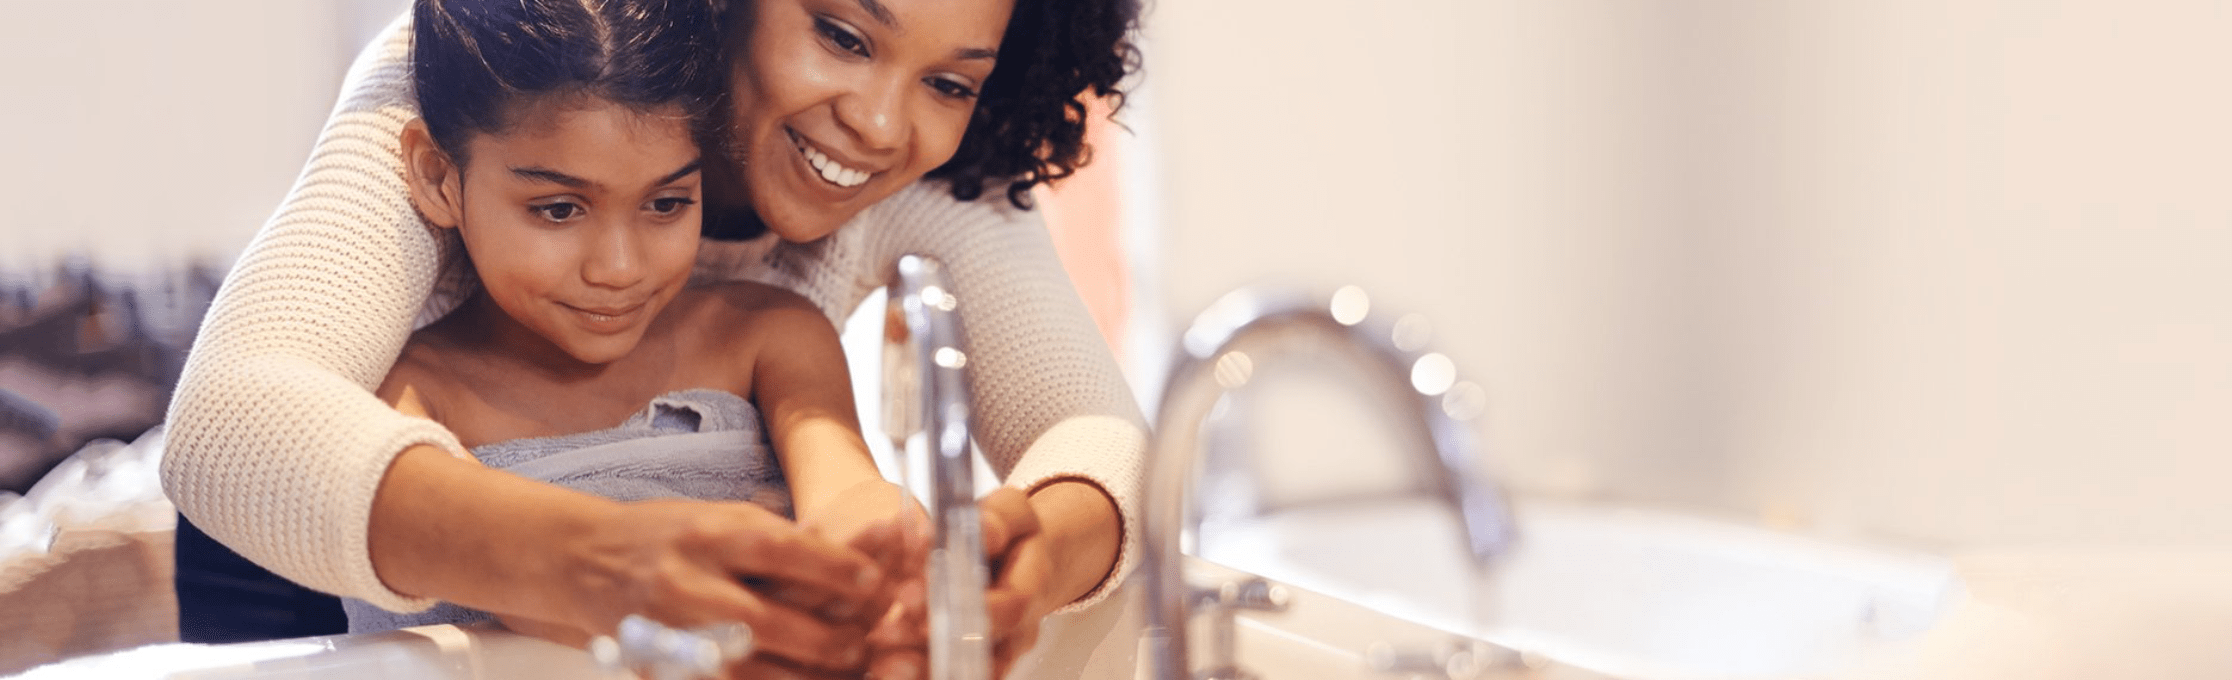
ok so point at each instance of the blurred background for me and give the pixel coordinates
(1943, 274)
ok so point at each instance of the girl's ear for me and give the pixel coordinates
(437, 184)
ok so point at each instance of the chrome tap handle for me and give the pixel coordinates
(926, 393)
(1214, 356)
(661, 653)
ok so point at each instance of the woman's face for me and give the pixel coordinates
(840, 103)
(582, 222)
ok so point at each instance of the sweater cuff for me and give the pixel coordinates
(363, 580)
(1106, 452)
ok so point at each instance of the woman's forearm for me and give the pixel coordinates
(571, 564)
(450, 528)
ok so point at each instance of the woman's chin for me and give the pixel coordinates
(803, 226)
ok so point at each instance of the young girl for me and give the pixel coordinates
(559, 140)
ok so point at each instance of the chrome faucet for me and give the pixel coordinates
(1230, 341)
(926, 402)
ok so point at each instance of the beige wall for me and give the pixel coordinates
(1951, 273)
(147, 132)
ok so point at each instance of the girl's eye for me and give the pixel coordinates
(840, 37)
(671, 206)
(558, 212)
(951, 88)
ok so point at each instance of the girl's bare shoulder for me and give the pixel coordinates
(422, 375)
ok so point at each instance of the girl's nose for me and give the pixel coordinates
(614, 260)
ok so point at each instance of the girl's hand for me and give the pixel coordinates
(869, 505)
(1022, 538)
(688, 564)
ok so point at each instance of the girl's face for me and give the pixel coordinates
(582, 220)
(840, 103)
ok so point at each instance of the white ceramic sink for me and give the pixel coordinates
(427, 652)
(1624, 592)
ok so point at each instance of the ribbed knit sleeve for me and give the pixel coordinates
(276, 442)
(1049, 401)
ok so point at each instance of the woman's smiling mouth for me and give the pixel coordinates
(828, 169)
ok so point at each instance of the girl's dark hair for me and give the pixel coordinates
(474, 61)
(1029, 126)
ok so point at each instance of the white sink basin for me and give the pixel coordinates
(430, 652)
(1628, 593)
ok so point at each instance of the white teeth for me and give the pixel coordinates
(830, 170)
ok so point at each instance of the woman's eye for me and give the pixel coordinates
(558, 212)
(671, 206)
(840, 37)
(951, 88)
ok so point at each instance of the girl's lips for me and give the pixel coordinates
(607, 319)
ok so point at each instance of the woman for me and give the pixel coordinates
(840, 110)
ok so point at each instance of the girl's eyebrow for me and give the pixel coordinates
(682, 172)
(535, 174)
(540, 174)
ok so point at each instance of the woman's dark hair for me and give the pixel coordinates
(1029, 126)
(474, 61)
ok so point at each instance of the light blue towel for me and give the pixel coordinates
(700, 444)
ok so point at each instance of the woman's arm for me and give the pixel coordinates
(277, 444)
(1052, 412)
(551, 555)
(1051, 407)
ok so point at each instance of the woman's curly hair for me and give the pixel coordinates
(1029, 125)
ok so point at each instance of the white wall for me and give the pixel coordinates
(1950, 273)
(145, 133)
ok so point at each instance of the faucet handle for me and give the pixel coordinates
(663, 653)
(1457, 659)
(902, 379)
(1256, 594)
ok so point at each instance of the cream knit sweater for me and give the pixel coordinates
(276, 444)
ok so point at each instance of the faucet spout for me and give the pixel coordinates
(1238, 335)
(926, 395)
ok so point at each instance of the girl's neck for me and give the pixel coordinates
(503, 343)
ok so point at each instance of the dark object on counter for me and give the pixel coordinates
(25, 417)
(223, 597)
